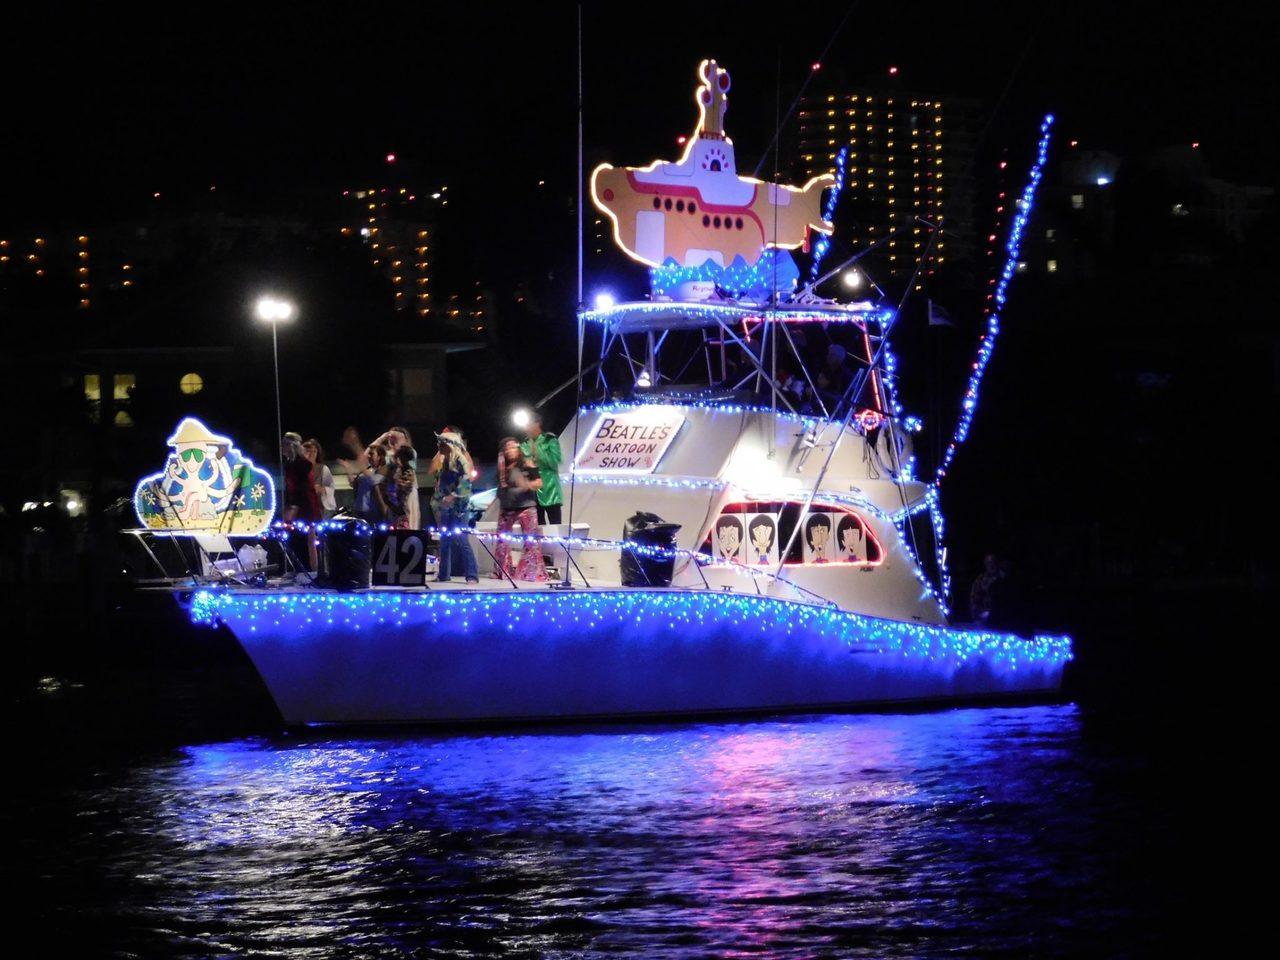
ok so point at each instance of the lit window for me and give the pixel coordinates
(191, 383)
(1077, 201)
(123, 419)
(1052, 266)
(123, 383)
(92, 387)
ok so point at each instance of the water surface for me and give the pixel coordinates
(1008, 831)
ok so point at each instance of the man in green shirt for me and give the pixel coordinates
(544, 448)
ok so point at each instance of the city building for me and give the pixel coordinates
(909, 159)
(1163, 208)
(394, 224)
(168, 329)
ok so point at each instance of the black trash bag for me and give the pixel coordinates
(348, 556)
(648, 530)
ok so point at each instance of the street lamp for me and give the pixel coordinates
(852, 279)
(275, 311)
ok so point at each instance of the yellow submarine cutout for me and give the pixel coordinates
(698, 208)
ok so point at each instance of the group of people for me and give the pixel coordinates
(384, 480)
(529, 495)
(832, 379)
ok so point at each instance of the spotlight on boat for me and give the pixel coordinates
(643, 380)
(520, 417)
(604, 301)
(852, 279)
(810, 438)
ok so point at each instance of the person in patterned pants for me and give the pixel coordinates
(518, 484)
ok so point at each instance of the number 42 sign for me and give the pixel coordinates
(400, 559)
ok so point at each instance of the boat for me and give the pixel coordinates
(746, 540)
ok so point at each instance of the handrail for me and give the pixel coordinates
(699, 559)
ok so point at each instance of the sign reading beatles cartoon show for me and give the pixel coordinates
(206, 486)
(631, 441)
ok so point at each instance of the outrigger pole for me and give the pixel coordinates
(856, 386)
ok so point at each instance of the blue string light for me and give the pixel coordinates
(986, 346)
(556, 613)
(679, 402)
(774, 271)
(823, 243)
(730, 312)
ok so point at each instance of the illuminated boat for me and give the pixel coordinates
(794, 582)
(808, 570)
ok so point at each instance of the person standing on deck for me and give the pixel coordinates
(450, 471)
(301, 503)
(518, 485)
(543, 448)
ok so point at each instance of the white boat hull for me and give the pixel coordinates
(389, 657)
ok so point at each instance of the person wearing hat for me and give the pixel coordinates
(197, 477)
(450, 471)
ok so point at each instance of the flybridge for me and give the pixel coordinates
(643, 315)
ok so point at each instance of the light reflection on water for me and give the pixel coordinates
(878, 835)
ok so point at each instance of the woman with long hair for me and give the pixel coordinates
(518, 485)
(321, 477)
(450, 470)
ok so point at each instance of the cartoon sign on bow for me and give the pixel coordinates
(206, 486)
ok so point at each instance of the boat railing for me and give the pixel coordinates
(569, 546)
(698, 560)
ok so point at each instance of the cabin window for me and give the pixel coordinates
(755, 532)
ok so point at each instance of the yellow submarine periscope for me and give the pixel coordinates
(698, 208)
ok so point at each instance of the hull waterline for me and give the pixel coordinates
(399, 657)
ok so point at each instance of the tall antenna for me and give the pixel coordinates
(580, 186)
(577, 313)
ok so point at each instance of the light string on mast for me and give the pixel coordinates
(823, 243)
(986, 346)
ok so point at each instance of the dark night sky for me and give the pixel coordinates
(108, 108)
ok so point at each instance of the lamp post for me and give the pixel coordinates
(275, 311)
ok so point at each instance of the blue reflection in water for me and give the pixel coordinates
(882, 835)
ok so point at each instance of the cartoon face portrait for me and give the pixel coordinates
(817, 533)
(763, 531)
(850, 540)
(729, 538)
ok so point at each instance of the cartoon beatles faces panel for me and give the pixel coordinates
(754, 532)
